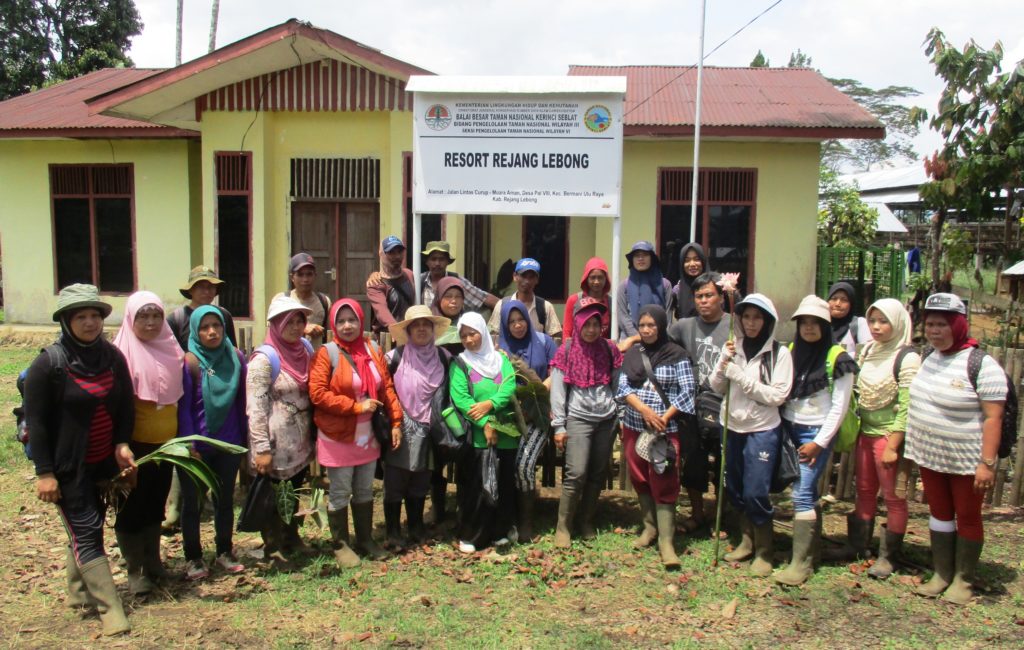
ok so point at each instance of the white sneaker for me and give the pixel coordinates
(504, 541)
(229, 564)
(466, 547)
(196, 570)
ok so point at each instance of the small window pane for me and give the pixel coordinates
(675, 233)
(730, 240)
(545, 241)
(233, 253)
(71, 232)
(430, 230)
(114, 238)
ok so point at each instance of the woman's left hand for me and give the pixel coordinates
(490, 435)
(396, 437)
(984, 477)
(124, 457)
(808, 453)
(480, 409)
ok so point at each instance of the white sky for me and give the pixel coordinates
(878, 42)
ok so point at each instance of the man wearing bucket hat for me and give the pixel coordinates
(419, 370)
(80, 413)
(542, 312)
(302, 275)
(202, 288)
(439, 258)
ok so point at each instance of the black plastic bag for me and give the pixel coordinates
(260, 505)
(449, 446)
(787, 467)
(380, 422)
(489, 475)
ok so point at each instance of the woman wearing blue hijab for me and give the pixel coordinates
(213, 405)
(531, 353)
(644, 286)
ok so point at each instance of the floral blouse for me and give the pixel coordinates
(280, 418)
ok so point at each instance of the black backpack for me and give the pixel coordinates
(447, 446)
(1010, 409)
(58, 361)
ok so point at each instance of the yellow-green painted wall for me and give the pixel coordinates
(163, 207)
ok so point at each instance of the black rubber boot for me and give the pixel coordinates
(343, 553)
(858, 540)
(393, 525)
(525, 524)
(414, 519)
(133, 551)
(362, 519)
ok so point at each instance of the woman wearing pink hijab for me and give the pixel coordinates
(277, 403)
(155, 365)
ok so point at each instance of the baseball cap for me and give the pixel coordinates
(300, 260)
(945, 302)
(528, 264)
(390, 243)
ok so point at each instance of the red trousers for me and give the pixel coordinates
(663, 487)
(952, 497)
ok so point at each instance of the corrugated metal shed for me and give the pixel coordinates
(60, 110)
(780, 99)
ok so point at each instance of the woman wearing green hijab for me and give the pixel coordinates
(214, 406)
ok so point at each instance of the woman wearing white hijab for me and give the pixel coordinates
(482, 386)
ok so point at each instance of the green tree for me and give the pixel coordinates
(799, 60)
(980, 116)
(45, 41)
(843, 218)
(902, 125)
(760, 61)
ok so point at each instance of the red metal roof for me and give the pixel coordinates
(60, 110)
(771, 102)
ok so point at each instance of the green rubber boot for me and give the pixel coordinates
(762, 564)
(745, 549)
(567, 505)
(97, 579)
(650, 532)
(666, 518)
(889, 546)
(961, 591)
(801, 565)
(944, 563)
(78, 595)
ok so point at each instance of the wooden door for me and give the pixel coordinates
(315, 231)
(360, 241)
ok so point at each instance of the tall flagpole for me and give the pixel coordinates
(696, 132)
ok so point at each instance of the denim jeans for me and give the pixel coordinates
(749, 466)
(805, 490)
(225, 466)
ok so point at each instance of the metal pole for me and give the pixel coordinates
(696, 131)
(417, 249)
(614, 280)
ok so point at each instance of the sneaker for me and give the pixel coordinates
(504, 541)
(466, 547)
(229, 564)
(196, 570)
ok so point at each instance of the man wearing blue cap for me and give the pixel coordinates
(542, 313)
(394, 290)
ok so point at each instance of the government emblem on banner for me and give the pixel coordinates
(438, 117)
(597, 118)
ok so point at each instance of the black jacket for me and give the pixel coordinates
(59, 417)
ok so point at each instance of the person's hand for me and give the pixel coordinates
(312, 329)
(984, 476)
(396, 437)
(490, 435)
(728, 351)
(733, 372)
(374, 281)
(124, 457)
(262, 462)
(560, 439)
(652, 419)
(808, 453)
(369, 405)
(47, 489)
(889, 457)
(480, 409)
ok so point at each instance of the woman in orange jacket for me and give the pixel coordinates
(346, 391)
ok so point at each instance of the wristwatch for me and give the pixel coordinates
(989, 462)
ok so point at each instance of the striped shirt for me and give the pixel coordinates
(101, 429)
(678, 383)
(944, 418)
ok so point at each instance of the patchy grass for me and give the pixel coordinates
(603, 594)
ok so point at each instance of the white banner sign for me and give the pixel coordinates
(546, 154)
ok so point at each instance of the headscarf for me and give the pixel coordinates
(596, 264)
(961, 331)
(644, 288)
(219, 370)
(532, 348)
(840, 326)
(751, 346)
(587, 364)
(661, 352)
(417, 378)
(156, 365)
(84, 359)
(384, 271)
(685, 305)
(294, 357)
(443, 285)
(810, 373)
(356, 348)
(876, 385)
(486, 361)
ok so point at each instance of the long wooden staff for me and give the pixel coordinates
(728, 284)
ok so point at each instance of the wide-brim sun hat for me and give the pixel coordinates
(400, 330)
(281, 304)
(439, 247)
(200, 274)
(80, 296)
(813, 306)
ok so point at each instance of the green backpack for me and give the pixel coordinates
(846, 437)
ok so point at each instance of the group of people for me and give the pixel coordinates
(687, 361)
